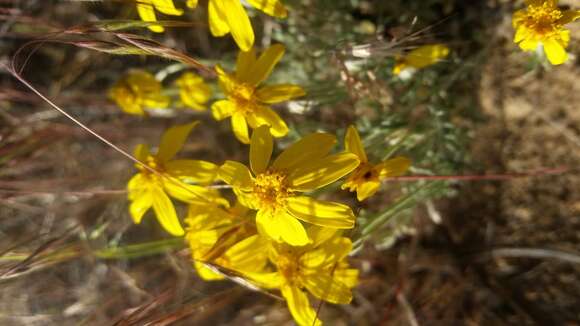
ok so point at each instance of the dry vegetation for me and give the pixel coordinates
(476, 252)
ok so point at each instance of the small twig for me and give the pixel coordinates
(573, 258)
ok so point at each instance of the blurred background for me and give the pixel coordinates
(446, 252)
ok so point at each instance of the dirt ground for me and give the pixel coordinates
(504, 252)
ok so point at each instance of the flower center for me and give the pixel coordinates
(288, 266)
(271, 190)
(243, 96)
(543, 19)
(152, 162)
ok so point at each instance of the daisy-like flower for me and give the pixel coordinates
(542, 22)
(273, 189)
(146, 10)
(193, 91)
(366, 178)
(152, 189)
(421, 57)
(229, 16)
(248, 104)
(319, 268)
(137, 91)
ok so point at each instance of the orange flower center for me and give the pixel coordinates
(271, 190)
(243, 95)
(288, 266)
(363, 173)
(543, 20)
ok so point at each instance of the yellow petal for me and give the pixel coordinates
(147, 14)
(354, 145)
(239, 23)
(310, 148)
(165, 212)
(321, 213)
(140, 205)
(218, 25)
(555, 52)
(299, 306)
(261, 147)
(247, 255)
(263, 115)
(186, 192)
(222, 109)
(367, 189)
(394, 167)
(191, 4)
(193, 91)
(313, 175)
(272, 8)
(198, 171)
(265, 64)
(167, 7)
(347, 276)
(426, 55)
(327, 288)
(327, 255)
(172, 141)
(236, 175)
(141, 152)
(206, 273)
(282, 227)
(265, 280)
(240, 128)
(279, 93)
(244, 64)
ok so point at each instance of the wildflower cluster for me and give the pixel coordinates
(268, 226)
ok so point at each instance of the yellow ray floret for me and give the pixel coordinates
(137, 91)
(367, 177)
(273, 189)
(421, 57)
(193, 91)
(248, 103)
(320, 268)
(162, 177)
(146, 10)
(229, 16)
(542, 23)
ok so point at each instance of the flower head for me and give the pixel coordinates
(160, 177)
(319, 268)
(273, 189)
(146, 10)
(366, 178)
(137, 91)
(421, 57)
(542, 22)
(247, 103)
(193, 91)
(229, 16)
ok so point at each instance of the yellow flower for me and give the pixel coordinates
(247, 104)
(211, 230)
(421, 57)
(320, 268)
(193, 91)
(367, 177)
(137, 91)
(542, 22)
(147, 189)
(229, 16)
(272, 191)
(146, 10)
